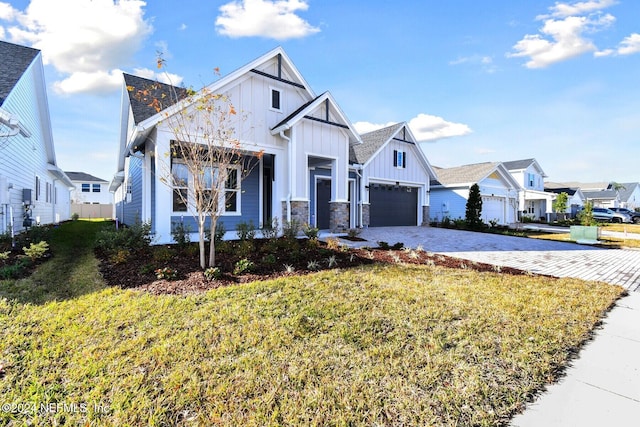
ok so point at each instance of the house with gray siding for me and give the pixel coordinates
(498, 189)
(33, 189)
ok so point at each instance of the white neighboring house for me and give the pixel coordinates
(499, 191)
(534, 202)
(33, 190)
(575, 201)
(629, 195)
(89, 189)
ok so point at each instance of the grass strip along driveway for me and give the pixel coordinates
(385, 345)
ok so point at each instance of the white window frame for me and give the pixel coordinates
(271, 91)
(83, 186)
(222, 199)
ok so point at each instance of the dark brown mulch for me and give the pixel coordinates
(270, 260)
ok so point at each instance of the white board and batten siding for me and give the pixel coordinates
(24, 160)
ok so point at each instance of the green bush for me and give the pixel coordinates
(291, 229)
(75, 216)
(134, 238)
(36, 250)
(14, 271)
(37, 233)
(246, 230)
(310, 232)
(270, 229)
(167, 273)
(212, 273)
(243, 266)
(180, 234)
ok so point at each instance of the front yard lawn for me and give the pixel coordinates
(385, 344)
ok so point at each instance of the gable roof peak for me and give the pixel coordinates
(14, 61)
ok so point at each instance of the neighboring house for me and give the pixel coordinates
(576, 199)
(533, 201)
(33, 190)
(395, 177)
(602, 198)
(629, 195)
(498, 188)
(90, 197)
(304, 140)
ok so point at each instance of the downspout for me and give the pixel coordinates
(286, 138)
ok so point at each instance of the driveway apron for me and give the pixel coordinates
(560, 259)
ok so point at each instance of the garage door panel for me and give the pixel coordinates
(493, 209)
(393, 206)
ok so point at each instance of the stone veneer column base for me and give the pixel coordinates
(339, 216)
(425, 216)
(299, 212)
(366, 215)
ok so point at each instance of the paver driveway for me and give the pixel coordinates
(561, 259)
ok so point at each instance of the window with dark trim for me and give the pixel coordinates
(180, 175)
(86, 188)
(37, 187)
(96, 188)
(275, 99)
(400, 159)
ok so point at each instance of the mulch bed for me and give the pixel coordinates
(270, 260)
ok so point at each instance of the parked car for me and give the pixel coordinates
(607, 215)
(635, 216)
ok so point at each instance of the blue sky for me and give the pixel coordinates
(477, 81)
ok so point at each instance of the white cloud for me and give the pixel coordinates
(366, 127)
(168, 78)
(567, 40)
(264, 18)
(426, 127)
(630, 45)
(563, 10)
(485, 62)
(483, 151)
(88, 44)
(182, 27)
(7, 12)
(97, 82)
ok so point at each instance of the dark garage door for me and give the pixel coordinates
(391, 205)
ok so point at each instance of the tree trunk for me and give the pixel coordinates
(201, 241)
(212, 243)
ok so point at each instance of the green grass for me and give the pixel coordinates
(71, 272)
(381, 345)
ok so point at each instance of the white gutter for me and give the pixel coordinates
(286, 138)
(13, 122)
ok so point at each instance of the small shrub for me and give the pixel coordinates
(269, 259)
(246, 230)
(244, 248)
(147, 268)
(354, 232)
(460, 223)
(4, 255)
(313, 265)
(136, 237)
(291, 229)
(310, 232)
(384, 245)
(180, 234)
(36, 250)
(162, 254)
(14, 271)
(5, 241)
(120, 257)
(270, 229)
(446, 222)
(289, 268)
(398, 246)
(167, 273)
(75, 216)
(212, 273)
(331, 261)
(192, 250)
(333, 244)
(243, 266)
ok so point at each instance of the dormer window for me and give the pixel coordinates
(275, 99)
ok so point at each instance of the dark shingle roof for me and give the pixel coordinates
(81, 176)
(559, 190)
(296, 112)
(601, 194)
(464, 174)
(14, 60)
(626, 192)
(165, 94)
(372, 142)
(518, 164)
